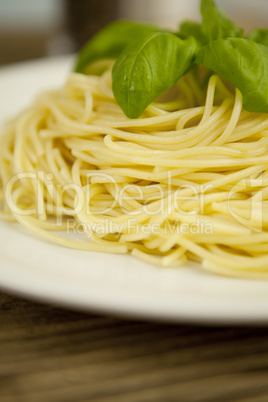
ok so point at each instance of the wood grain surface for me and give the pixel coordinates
(52, 354)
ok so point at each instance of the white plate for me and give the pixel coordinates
(103, 282)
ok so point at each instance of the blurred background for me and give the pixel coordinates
(36, 28)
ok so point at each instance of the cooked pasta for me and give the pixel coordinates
(187, 180)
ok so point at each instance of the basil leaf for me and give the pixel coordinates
(216, 24)
(148, 67)
(110, 41)
(210, 23)
(192, 28)
(259, 36)
(245, 64)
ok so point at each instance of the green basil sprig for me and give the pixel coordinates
(150, 60)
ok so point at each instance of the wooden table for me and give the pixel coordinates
(52, 354)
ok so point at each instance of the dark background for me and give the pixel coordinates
(36, 28)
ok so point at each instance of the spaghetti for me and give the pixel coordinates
(187, 180)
